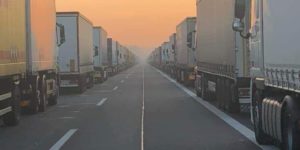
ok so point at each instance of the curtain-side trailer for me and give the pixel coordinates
(222, 71)
(273, 33)
(28, 73)
(76, 55)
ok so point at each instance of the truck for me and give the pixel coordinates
(76, 55)
(100, 54)
(222, 71)
(185, 54)
(28, 72)
(272, 32)
(165, 56)
(112, 56)
(172, 54)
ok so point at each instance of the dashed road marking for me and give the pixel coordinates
(115, 88)
(249, 134)
(143, 112)
(102, 102)
(66, 118)
(63, 140)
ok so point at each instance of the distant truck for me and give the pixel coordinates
(272, 30)
(100, 54)
(222, 71)
(28, 72)
(112, 55)
(172, 54)
(76, 55)
(185, 54)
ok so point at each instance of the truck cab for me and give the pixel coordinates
(273, 35)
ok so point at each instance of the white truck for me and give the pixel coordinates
(28, 72)
(112, 55)
(100, 54)
(185, 54)
(222, 72)
(76, 55)
(172, 55)
(272, 29)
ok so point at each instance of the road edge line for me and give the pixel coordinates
(246, 132)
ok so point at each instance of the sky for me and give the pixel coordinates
(141, 24)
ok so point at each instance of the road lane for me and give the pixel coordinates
(174, 121)
(43, 130)
(116, 124)
(145, 112)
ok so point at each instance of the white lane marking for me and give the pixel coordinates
(63, 140)
(102, 101)
(249, 134)
(122, 81)
(66, 118)
(115, 88)
(143, 112)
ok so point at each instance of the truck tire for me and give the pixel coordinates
(260, 136)
(43, 95)
(204, 88)
(234, 105)
(13, 118)
(54, 98)
(35, 97)
(83, 86)
(290, 134)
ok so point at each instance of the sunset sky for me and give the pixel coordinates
(142, 23)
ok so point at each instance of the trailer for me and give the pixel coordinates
(273, 35)
(185, 54)
(100, 53)
(76, 55)
(112, 55)
(28, 73)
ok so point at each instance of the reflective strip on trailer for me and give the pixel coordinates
(5, 110)
(5, 96)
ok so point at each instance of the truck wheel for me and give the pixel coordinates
(260, 136)
(53, 99)
(43, 95)
(83, 86)
(234, 106)
(290, 134)
(203, 89)
(35, 98)
(13, 118)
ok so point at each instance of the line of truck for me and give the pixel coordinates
(43, 51)
(244, 55)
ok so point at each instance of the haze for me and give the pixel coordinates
(137, 23)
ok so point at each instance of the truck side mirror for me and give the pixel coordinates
(238, 25)
(240, 9)
(96, 52)
(191, 39)
(239, 12)
(60, 32)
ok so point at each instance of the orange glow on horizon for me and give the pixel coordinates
(142, 23)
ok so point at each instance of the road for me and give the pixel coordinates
(138, 109)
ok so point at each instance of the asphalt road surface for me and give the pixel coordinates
(138, 109)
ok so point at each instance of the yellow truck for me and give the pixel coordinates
(28, 59)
